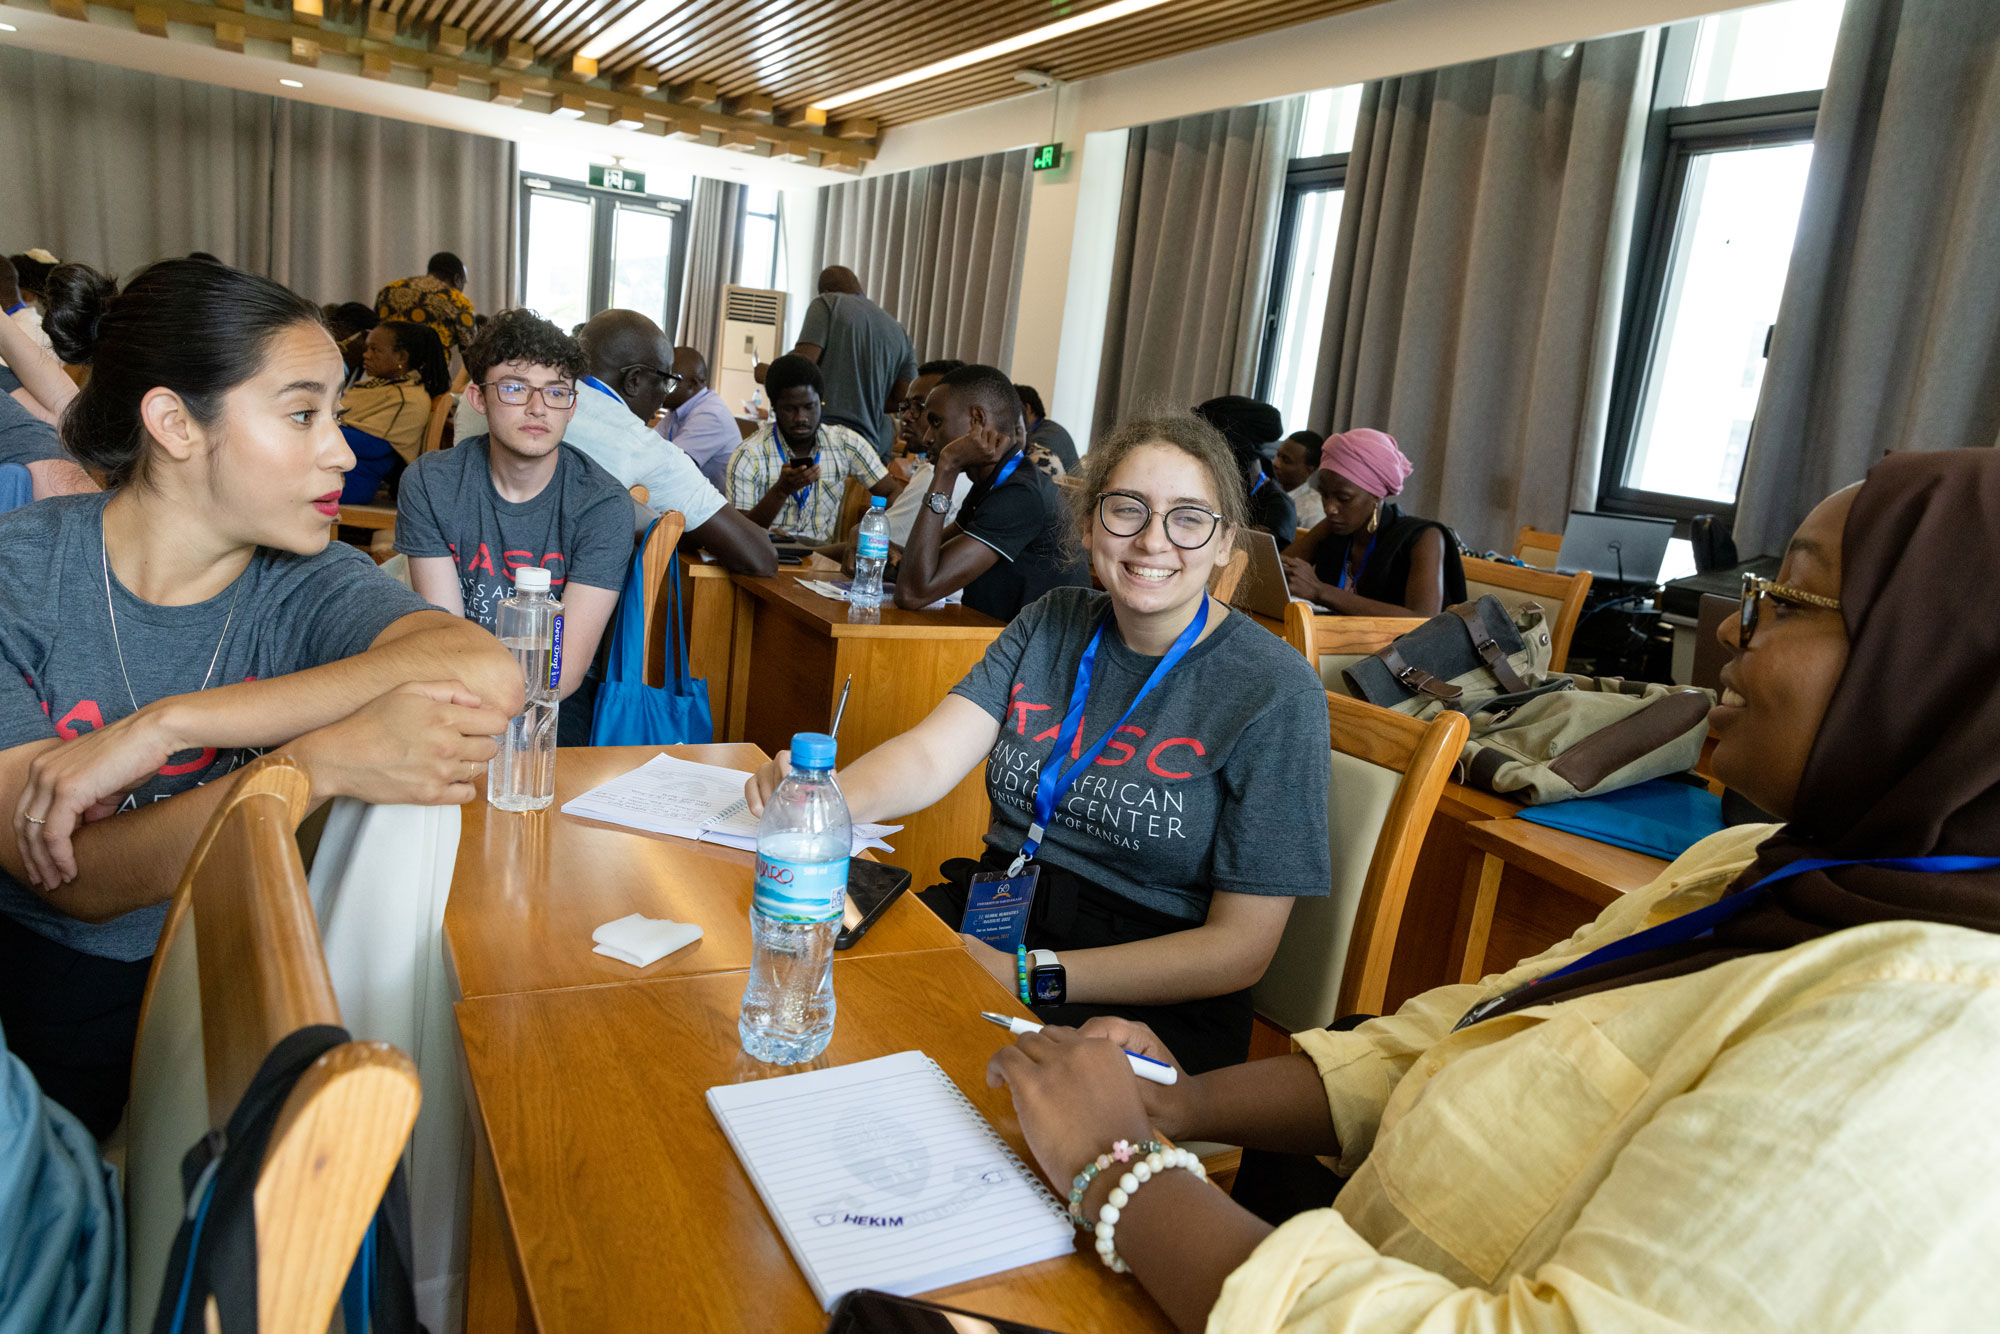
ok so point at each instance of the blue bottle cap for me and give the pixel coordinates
(813, 750)
(878, 502)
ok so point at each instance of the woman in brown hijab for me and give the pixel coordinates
(1756, 1094)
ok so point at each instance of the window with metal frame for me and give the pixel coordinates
(586, 250)
(1723, 179)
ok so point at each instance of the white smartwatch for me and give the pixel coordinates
(1048, 983)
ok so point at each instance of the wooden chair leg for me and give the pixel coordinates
(1475, 910)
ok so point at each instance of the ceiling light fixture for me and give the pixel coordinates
(641, 17)
(8, 27)
(291, 83)
(1048, 32)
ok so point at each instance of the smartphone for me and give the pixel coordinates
(865, 1311)
(871, 887)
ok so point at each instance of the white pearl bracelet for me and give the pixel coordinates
(1121, 1195)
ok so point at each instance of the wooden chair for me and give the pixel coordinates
(1333, 643)
(442, 406)
(639, 492)
(212, 1011)
(659, 558)
(1223, 583)
(1388, 773)
(1537, 547)
(853, 504)
(1561, 595)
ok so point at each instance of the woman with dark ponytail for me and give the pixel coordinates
(384, 415)
(157, 637)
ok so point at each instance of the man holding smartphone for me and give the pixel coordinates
(790, 476)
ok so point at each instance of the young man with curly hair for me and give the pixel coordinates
(469, 517)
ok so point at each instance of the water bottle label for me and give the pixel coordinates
(874, 546)
(801, 891)
(555, 657)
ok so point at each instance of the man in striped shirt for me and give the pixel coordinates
(790, 476)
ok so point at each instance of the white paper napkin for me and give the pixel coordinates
(640, 940)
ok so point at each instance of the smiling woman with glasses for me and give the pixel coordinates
(1132, 740)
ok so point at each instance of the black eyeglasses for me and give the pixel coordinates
(673, 380)
(1188, 527)
(514, 393)
(1756, 589)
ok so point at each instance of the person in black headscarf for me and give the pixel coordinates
(1251, 427)
(1755, 1094)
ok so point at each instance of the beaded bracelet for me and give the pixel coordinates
(1121, 1152)
(1021, 969)
(1152, 1165)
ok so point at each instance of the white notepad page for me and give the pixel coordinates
(882, 1175)
(669, 795)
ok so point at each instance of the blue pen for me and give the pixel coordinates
(1159, 1072)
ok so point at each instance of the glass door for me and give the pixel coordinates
(586, 250)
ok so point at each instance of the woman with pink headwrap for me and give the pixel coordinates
(1366, 557)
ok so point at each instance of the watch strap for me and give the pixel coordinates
(1043, 959)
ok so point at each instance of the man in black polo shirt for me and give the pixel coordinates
(1008, 546)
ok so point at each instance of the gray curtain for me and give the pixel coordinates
(1888, 336)
(358, 200)
(1473, 300)
(940, 248)
(715, 243)
(117, 168)
(1197, 228)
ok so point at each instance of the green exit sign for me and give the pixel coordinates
(618, 178)
(1047, 156)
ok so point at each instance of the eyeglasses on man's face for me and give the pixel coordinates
(514, 393)
(1188, 527)
(1756, 589)
(667, 377)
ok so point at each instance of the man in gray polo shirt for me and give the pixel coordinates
(864, 354)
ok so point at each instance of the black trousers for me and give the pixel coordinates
(72, 1019)
(1071, 913)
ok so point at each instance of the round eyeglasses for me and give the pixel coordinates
(514, 393)
(1188, 527)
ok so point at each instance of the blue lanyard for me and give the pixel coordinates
(1690, 926)
(1055, 780)
(804, 494)
(598, 384)
(1007, 470)
(1342, 583)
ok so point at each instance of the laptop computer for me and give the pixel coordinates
(1615, 548)
(1262, 589)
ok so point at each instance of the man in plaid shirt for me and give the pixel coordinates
(790, 476)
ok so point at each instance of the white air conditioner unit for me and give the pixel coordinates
(753, 323)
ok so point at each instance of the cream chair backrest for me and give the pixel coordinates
(1388, 772)
(1561, 596)
(1538, 547)
(1334, 643)
(216, 1003)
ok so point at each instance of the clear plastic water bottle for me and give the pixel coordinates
(871, 554)
(522, 776)
(803, 843)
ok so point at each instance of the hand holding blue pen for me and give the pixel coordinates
(1158, 1072)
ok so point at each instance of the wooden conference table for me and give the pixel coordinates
(604, 1195)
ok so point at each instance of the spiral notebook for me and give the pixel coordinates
(882, 1175)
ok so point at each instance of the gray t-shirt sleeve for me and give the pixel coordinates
(601, 551)
(906, 370)
(418, 531)
(24, 437)
(1257, 848)
(990, 683)
(818, 322)
(339, 610)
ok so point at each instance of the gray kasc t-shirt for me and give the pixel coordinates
(579, 527)
(1198, 792)
(62, 674)
(24, 437)
(863, 353)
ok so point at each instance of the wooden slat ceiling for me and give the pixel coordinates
(796, 52)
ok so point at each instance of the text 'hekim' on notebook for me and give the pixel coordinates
(882, 1175)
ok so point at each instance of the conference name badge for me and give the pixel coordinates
(996, 908)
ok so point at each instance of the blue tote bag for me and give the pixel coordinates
(630, 712)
